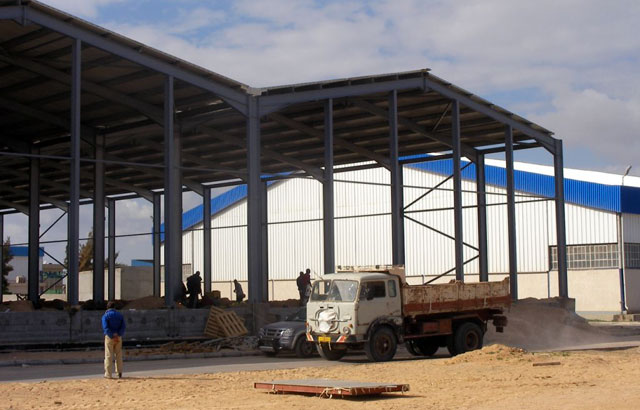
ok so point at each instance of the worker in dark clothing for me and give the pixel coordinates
(307, 285)
(237, 289)
(302, 289)
(194, 287)
(113, 326)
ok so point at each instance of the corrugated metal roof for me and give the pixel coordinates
(584, 193)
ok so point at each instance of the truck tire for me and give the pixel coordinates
(303, 348)
(467, 337)
(330, 354)
(412, 348)
(382, 345)
(427, 347)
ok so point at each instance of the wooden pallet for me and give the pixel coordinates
(222, 324)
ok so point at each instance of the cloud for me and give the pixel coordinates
(607, 125)
(83, 8)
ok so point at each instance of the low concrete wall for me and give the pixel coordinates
(46, 327)
(86, 326)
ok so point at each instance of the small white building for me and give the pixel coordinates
(601, 216)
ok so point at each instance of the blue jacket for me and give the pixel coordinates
(113, 322)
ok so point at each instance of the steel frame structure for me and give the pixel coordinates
(146, 124)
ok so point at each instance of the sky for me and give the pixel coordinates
(569, 65)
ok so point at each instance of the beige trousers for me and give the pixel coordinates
(112, 351)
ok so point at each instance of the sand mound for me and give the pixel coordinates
(20, 306)
(145, 303)
(540, 324)
(491, 353)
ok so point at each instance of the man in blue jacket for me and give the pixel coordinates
(113, 326)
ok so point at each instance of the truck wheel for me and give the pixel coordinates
(427, 347)
(382, 345)
(330, 354)
(411, 348)
(303, 348)
(467, 337)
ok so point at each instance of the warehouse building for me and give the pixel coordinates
(601, 216)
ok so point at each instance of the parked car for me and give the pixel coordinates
(288, 335)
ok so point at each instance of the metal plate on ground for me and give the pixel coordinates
(330, 388)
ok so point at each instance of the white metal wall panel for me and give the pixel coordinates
(294, 247)
(584, 225)
(631, 228)
(363, 241)
(352, 199)
(229, 254)
(294, 200)
(198, 251)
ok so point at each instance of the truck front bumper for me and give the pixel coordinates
(330, 338)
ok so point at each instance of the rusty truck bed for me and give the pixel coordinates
(455, 297)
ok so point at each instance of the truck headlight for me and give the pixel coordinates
(346, 330)
(261, 332)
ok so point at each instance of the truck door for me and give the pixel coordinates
(377, 298)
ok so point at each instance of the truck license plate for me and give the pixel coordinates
(324, 339)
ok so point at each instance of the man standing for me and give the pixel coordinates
(113, 326)
(307, 285)
(302, 288)
(194, 287)
(237, 289)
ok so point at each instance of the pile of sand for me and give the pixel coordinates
(285, 303)
(540, 324)
(18, 306)
(145, 303)
(492, 353)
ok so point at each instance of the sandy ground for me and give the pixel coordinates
(494, 377)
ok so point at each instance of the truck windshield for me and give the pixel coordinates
(334, 291)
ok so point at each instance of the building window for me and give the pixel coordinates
(632, 255)
(587, 256)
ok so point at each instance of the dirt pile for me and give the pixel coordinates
(145, 303)
(18, 306)
(540, 324)
(493, 352)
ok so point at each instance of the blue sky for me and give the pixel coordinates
(571, 66)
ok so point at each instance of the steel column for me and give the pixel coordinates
(511, 212)
(98, 220)
(33, 272)
(2, 256)
(481, 195)
(397, 205)
(558, 164)
(457, 189)
(328, 215)
(111, 249)
(254, 206)
(157, 221)
(206, 237)
(74, 178)
(265, 241)
(172, 200)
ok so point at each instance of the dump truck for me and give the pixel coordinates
(374, 309)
